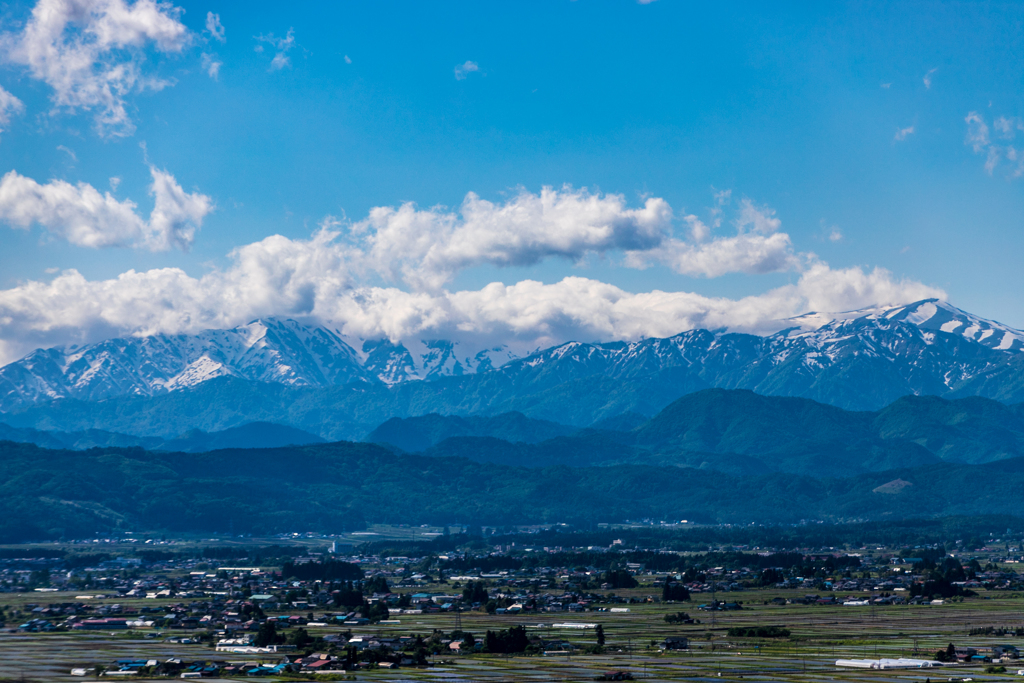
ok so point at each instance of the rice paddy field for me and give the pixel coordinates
(820, 634)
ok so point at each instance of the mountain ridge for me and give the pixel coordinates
(857, 360)
(249, 435)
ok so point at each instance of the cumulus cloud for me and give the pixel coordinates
(426, 247)
(902, 133)
(463, 70)
(323, 278)
(309, 278)
(282, 47)
(9, 106)
(980, 140)
(214, 27)
(83, 216)
(757, 246)
(90, 52)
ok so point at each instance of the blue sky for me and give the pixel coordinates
(845, 126)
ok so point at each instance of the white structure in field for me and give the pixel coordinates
(901, 663)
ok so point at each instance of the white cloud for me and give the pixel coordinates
(835, 234)
(320, 278)
(214, 27)
(902, 133)
(757, 247)
(979, 138)
(760, 219)
(83, 216)
(9, 106)
(744, 253)
(308, 278)
(426, 247)
(928, 78)
(1008, 126)
(886, 86)
(977, 132)
(463, 70)
(91, 51)
(176, 215)
(70, 152)
(348, 60)
(282, 46)
(212, 66)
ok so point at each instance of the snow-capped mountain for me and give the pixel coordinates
(929, 315)
(266, 350)
(281, 351)
(854, 359)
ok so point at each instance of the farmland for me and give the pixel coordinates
(819, 635)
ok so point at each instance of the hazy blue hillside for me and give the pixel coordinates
(717, 420)
(623, 422)
(732, 431)
(742, 433)
(89, 438)
(252, 435)
(415, 434)
(963, 430)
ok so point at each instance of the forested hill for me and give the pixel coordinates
(341, 486)
(740, 433)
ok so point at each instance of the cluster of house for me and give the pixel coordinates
(217, 668)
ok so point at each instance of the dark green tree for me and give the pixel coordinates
(300, 638)
(267, 635)
(474, 592)
(675, 591)
(377, 584)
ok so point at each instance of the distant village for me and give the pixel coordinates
(324, 611)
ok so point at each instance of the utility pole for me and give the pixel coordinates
(714, 605)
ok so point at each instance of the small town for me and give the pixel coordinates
(317, 609)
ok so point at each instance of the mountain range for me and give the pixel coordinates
(314, 379)
(737, 432)
(732, 431)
